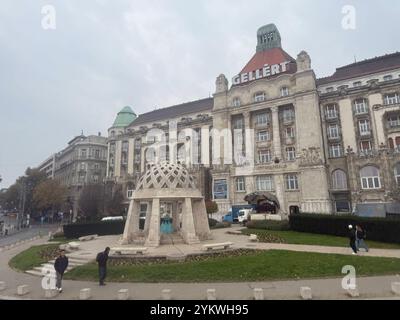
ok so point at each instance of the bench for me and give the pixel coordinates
(224, 245)
(129, 250)
(88, 238)
(253, 238)
(73, 245)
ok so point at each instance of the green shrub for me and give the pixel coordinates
(268, 225)
(377, 229)
(221, 225)
(212, 222)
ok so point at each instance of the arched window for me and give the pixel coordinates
(339, 180)
(284, 91)
(397, 173)
(236, 102)
(259, 96)
(370, 178)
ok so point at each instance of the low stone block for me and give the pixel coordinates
(123, 294)
(85, 294)
(258, 294)
(396, 288)
(211, 294)
(353, 293)
(166, 294)
(23, 289)
(2, 285)
(50, 293)
(306, 293)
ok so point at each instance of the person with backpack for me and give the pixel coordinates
(352, 237)
(60, 265)
(102, 258)
(361, 235)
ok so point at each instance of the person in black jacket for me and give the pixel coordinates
(60, 265)
(101, 259)
(352, 237)
(361, 235)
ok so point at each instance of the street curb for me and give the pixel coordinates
(18, 243)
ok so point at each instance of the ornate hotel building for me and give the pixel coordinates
(325, 145)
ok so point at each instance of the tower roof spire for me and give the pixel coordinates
(268, 37)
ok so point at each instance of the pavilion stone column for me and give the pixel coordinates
(132, 222)
(147, 221)
(201, 220)
(276, 132)
(175, 216)
(153, 238)
(188, 229)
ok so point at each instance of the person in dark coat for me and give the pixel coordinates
(361, 235)
(60, 265)
(352, 237)
(102, 259)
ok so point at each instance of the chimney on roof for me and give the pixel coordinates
(99, 134)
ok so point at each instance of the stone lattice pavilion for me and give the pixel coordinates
(167, 184)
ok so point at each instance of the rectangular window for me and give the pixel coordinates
(291, 182)
(83, 166)
(288, 115)
(365, 146)
(284, 92)
(262, 119)
(331, 112)
(335, 150)
(360, 106)
(365, 128)
(394, 121)
(333, 131)
(264, 183)
(289, 132)
(391, 98)
(264, 156)
(83, 153)
(238, 123)
(263, 136)
(220, 189)
(291, 154)
(240, 184)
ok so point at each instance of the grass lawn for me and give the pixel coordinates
(33, 257)
(258, 266)
(293, 237)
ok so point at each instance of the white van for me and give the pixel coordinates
(244, 214)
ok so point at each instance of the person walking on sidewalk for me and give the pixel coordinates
(101, 259)
(60, 265)
(352, 237)
(361, 235)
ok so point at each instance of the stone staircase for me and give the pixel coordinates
(73, 262)
(171, 239)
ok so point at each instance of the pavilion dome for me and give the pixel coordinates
(166, 176)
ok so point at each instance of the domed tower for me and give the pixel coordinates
(174, 206)
(124, 118)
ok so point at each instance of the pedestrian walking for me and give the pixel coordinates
(60, 265)
(352, 237)
(361, 235)
(102, 258)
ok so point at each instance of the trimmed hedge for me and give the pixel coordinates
(377, 229)
(105, 228)
(268, 225)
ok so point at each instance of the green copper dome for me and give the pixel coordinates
(124, 117)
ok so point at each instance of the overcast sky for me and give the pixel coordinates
(106, 54)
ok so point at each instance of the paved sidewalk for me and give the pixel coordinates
(370, 288)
